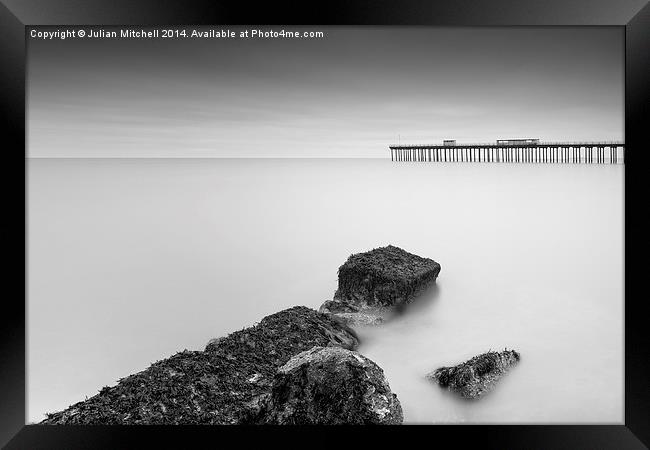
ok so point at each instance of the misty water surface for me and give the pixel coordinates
(131, 261)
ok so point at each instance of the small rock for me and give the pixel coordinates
(255, 378)
(359, 319)
(475, 377)
(338, 306)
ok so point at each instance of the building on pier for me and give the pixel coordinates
(517, 141)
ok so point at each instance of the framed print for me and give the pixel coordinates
(236, 222)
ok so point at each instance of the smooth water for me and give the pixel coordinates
(130, 261)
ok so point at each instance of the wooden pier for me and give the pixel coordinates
(531, 153)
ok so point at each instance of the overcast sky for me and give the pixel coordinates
(349, 94)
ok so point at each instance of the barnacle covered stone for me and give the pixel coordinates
(372, 282)
(475, 377)
(329, 386)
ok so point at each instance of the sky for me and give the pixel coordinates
(351, 93)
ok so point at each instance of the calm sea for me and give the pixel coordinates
(131, 261)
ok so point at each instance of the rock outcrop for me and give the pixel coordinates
(329, 385)
(477, 376)
(219, 385)
(372, 281)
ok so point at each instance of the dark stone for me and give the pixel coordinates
(329, 385)
(219, 385)
(385, 276)
(477, 376)
(373, 281)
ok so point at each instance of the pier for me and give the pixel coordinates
(531, 151)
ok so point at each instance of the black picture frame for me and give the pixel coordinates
(16, 15)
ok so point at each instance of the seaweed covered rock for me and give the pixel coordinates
(216, 386)
(329, 385)
(384, 277)
(477, 376)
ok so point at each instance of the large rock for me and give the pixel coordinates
(330, 385)
(215, 386)
(370, 282)
(477, 376)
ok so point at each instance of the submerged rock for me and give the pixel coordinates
(370, 282)
(364, 318)
(220, 385)
(477, 376)
(329, 385)
(352, 315)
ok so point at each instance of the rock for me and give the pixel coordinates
(329, 385)
(360, 319)
(372, 281)
(385, 276)
(352, 315)
(338, 306)
(477, 376)
(216, 386)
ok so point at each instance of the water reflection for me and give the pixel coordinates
(423, 302)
